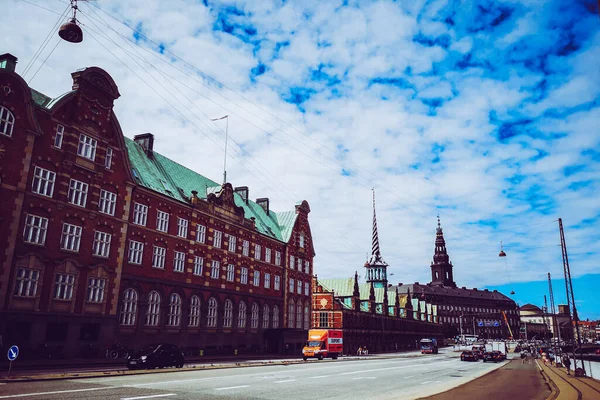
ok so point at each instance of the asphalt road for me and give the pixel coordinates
(401, 377)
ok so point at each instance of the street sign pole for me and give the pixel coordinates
(13, 353)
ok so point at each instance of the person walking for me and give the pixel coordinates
(567, 363)
(359, 351)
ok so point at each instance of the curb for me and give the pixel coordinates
(554, 390)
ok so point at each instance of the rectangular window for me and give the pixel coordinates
(43, 182)
(107, 203)
(268, 255)
(182, 227)
(246, 248)
(307, 267)
(291, 285)
(140, 214)
(87, 147)
(78, 192)
(162, 221)
(277, 258)
(35, 229)
(277, 283)
(257, 251)
(232, 240)
(301, 240)
(257, 278)
(306, 288)
(71, 237)
(299, 287)
(108, 159)
(179, 261)
(244, 276)
(96, 290)
(58, 138)
(63, 286)
(230, 272)
(215, 269)
(158, 257)
(201, 234)
(27, 281)
(292, 262)
(217, 239)
(136, 250)
(299, 264)
(101, 246)
(267, 281)
(323, 320)
(198, 262)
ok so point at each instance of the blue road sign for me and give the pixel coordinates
(13, 352)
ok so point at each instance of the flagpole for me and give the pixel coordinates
(226, 118)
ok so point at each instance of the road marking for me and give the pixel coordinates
(408, 377)
(389, 368)
(321, 376)
(426, 382)
(148, 397)
(287, 380)
(233, 387)
(58, 392)
(363, 377)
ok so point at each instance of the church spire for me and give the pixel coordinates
(375, 250)
(441, 267)
(376, 267)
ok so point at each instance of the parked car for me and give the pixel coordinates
(468, 355)
(490, 356)
(156, 356)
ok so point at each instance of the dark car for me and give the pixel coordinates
(156, 356)
(468, 355)
(490, 356)
(500, 355)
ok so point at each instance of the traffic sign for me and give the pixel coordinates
(13, 352)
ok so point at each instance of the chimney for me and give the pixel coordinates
(146, 140)
(243, 191)
(264, 203)
(8, 62)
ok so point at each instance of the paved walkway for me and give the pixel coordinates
(569, 387)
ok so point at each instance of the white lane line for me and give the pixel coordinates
(321, 377)
(287, 380)
(363, 377)
(152, 396)
(389, 368)
(426, 382)
(59, 392)
(233, 387)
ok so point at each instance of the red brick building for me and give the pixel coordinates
(106, 240)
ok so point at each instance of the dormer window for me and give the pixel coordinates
(87, 147)
(7, 121)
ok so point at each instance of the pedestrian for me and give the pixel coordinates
(359, 351)
(567, 363)
(365, 351)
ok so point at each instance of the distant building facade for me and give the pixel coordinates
(106, 240)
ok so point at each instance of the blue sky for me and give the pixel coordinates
(485, 112)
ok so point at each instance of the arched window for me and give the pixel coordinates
(194, 317)
(254, 316)
(275, 317)
(175, 310)
(227, 314)
(291, 314)
(299, 315)
(437, 275)
(7, 121)
(266, 317)
(242, 315)
(153, 313)
(211, 316)
(129, 307)
(306, 316)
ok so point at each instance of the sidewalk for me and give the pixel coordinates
(567, 387)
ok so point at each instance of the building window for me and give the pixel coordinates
(244, 276)
(307, 267)
(227, 314)
(291, 314)
(162, 221)
(71, 237)
(35, 229)
(201, 234)
(306, 317)
(277, 258)
(78, 192)
(87, 147)
(267, 281)
(277, 283)
(232, 240)
(266, 317)
(107, 202)
(95, 292)
(182, 227)
(179, 261)
(158, 257)
(275, 317)
(242, 315)
(140, 213)
(211, 317)
(108, 159)
(58, 137)
(292, 285)
(214, 270)
(136, 250)
(63, 286)
(129, 307)
(323, 320)
(299, 287)
(292, 262)
(230, 272)
(153, 313)
(101, 246)
(194, 317)
(246, 248)
(254, 316)
(7, 121)
(299, 264)
(257, 278)
(198, 262)
(301, 241)
(306, 288)
(27, 281)
(257, 252)
(217, 239)
(43, 182)
(174, 310)
(299, 315)
(267, 255)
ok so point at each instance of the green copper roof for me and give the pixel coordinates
(344, 287)
(39, 98)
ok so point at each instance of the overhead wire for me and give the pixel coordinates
(44, 62)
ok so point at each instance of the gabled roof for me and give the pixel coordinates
(344, 287)
(418, 289)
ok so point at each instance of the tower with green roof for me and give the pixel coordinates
(375, 266)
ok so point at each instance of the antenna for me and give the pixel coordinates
(226, 118)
